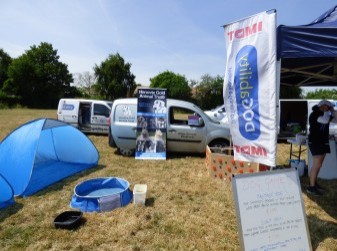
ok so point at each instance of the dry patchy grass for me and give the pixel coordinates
(185, 209)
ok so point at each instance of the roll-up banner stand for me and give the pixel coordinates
(151, 124)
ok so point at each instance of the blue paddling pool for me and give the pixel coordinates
(101, 194)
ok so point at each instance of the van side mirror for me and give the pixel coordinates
(201, 122)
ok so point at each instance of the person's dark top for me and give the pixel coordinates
(318, 133)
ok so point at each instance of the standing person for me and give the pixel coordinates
(318, 141)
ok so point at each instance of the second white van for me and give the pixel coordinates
(89, 116)
(292, 116)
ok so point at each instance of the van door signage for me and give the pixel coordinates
(127, 115)
(68, 107)
(186, 135)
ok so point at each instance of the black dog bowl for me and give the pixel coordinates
(68, 219)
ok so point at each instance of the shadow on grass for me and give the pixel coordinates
(16, 207)
(328, 201)
(60, 184)
(7, 212)
(169, 155)
(149, 202)
(99, 135)
(320, 230)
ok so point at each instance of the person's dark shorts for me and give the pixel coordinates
(319, 149)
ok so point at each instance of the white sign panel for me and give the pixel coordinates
(270, 211)
(250, 87)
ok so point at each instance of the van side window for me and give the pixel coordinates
(101, 110)
(182, 116)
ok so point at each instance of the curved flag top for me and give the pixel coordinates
(250, 87)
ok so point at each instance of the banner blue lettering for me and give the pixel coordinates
(246, 84)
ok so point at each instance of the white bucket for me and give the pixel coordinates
(139, 194)
(300, 167)
(293, 163)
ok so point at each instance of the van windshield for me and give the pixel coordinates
(210, 118)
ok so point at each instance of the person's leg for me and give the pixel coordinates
(316, 166)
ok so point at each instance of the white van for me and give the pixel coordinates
(89, 116)
(181, 135)
(219, 114)
(292, 116)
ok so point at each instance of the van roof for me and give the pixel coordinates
(170, 102)
(84, 100)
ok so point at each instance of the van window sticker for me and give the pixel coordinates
(68, 107)
(126, 113)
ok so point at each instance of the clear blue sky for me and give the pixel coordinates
(183, 36)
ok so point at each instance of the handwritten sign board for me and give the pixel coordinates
(270, 211)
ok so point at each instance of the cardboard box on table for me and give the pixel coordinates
(221, 164)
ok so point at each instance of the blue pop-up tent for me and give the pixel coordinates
(42, 152)
(308, 53)
(6, 193)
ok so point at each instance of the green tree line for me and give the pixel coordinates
(38, 79)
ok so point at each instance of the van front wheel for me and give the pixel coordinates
(126, 152)
(219, 143)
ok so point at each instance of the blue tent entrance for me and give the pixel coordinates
(42, 152)
(6, 194)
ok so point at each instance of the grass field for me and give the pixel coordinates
(185, 208)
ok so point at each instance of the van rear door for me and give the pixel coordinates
(124, 125)
(68, 111)
(293, 116)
